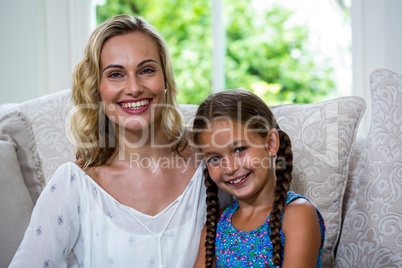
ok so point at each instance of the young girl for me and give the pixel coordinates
(248, 156)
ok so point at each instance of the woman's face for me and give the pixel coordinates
(132, 84)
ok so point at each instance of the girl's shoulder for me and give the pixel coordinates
(299, 209)
(292, 196)
(295, 201)
(228, 211)
(301, 221)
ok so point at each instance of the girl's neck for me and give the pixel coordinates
(250, 216)
(260, 203)
(253, 212)
(263, 198)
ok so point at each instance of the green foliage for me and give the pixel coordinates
(186, 27)
(270, 58)
(264, 54)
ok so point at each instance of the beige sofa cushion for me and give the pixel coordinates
(372, 231)
(322, 136)
(47, 115)
(355, 169)
(20, 182)
(15, 127)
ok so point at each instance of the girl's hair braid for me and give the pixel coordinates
(212, 219)
(245, 107)
(283, 172)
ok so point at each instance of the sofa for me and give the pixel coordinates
(355, 183)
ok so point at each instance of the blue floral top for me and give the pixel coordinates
(235, 248)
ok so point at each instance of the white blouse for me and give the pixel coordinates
(76, 223)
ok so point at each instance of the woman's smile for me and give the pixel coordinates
(135, 107)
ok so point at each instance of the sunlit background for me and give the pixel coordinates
(284, 50)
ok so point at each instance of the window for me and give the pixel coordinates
(284, 53)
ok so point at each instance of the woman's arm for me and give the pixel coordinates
(302, 233)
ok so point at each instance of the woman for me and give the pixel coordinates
(135, 195)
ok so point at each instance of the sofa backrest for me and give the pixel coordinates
(322, 135)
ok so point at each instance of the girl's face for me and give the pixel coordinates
(132, 84)
(238, 159)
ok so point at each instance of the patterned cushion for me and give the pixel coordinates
(372, 231)
(19, 182)
(15, 126)
(355, 169)
(47, 115)
(322, 136)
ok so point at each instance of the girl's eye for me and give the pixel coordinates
(240, 149)
(213, 160)
(115, 75)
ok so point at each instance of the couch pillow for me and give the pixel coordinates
(355, 169)
(372, 231)
(322, 136)
(47, 116)
(15, 200)
(16, 126)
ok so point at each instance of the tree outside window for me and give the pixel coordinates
(264, 53)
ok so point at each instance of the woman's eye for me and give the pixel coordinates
(240, 149)
(147, 71)
(115, 75)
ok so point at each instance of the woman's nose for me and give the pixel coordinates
(134, 86)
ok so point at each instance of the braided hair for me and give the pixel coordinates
(243, 106)
(212, 218)
(283, 173)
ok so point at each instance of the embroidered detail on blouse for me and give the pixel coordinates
(39, 231)
(60, 219)
(53, 188)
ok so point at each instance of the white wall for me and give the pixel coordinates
(41, 41)
(376, 43)
(22, 50)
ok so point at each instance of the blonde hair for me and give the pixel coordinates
(95, 142)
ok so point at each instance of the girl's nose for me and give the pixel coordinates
(231, 165)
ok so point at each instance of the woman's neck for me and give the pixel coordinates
(150, 143)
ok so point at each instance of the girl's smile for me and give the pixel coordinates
(239, 181)
(238, 159)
